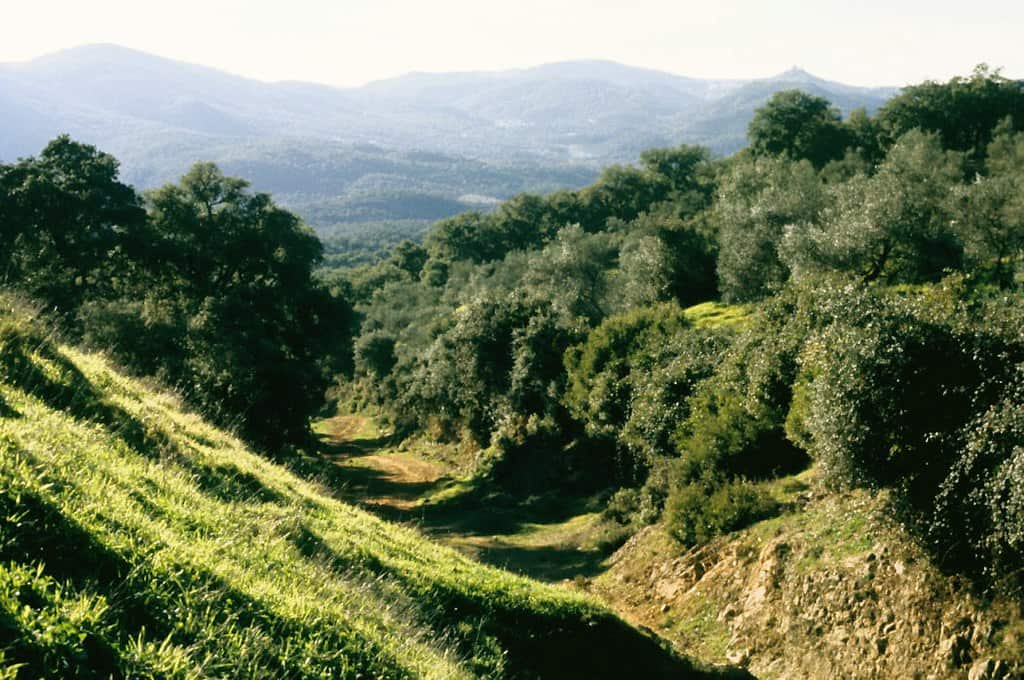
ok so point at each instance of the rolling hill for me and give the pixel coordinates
(138, 541)
(412, 147)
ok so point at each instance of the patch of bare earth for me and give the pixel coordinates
(834, 590)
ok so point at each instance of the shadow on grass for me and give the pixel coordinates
(63, 387)
(545, 563)
(481, 520)
(358, 484)
(472, 520)
(332, 448)
(219, 619)
(534, 642)
(6, 411)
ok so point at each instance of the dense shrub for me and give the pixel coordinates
(501, 362)
(699, 511)
(662, 383)
(737, 417)
(920, 391)
(893, 383)
(979, 510)
(599, 390)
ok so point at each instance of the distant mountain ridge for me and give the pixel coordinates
(538, 128)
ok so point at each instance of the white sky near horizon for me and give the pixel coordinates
(350, 42)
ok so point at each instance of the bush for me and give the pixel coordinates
(922, 391)
(894, 382)
(980, 504)
(702, 510)
(736, 423)
(599, 390)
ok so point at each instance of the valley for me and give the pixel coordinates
(831, 587)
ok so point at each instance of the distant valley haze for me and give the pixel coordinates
(415, 147)
(496, 97)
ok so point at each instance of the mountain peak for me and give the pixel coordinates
(94, 52)
(797, 73)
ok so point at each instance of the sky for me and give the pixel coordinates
(351, 42)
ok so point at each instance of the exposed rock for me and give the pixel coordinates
(739, 657)
(989, 669)
(790, 609)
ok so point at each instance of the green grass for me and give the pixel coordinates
(716, 314)
(696, 623)
(136, 540)
(834, 532)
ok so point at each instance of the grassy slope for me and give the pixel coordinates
(137, 540)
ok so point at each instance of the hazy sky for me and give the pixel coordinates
(349, 42)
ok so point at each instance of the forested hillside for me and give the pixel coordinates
(872, 265)
(836, 307)
(419, 147)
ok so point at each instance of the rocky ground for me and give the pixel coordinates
(832, 589)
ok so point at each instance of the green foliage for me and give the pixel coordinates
(894, 225)
(686, 169)
(571, 273)
(891, 387)
(981, 502)
(963, 111)
(368, 243)
(666, 257)
(195, 558)
(813, 211)
(919, 392)
(631, 380)
(663, 382)
(599, 390)
(990, 212)
(700, 511)
(800, 126)
(51, 627)
(756, 202)
(212, 291)
(500, 362)
(226, 293)
(67, 225)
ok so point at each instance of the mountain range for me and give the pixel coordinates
(418, 146)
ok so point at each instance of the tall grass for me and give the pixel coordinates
(138, 541)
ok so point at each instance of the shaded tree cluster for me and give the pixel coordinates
(202, 284)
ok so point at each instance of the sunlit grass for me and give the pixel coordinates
(716, 314)
(136, 539)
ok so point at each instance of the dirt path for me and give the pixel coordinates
(376, 475)
(549, 541)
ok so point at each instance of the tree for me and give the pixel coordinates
(895, 225)
(497, 367)
(991, 211)
(800, 126)
(232, 314)
(688, 172)
(622, 192)
(66, 222)
(571, 272)
(462, 237)
(664, 257)
(964, 112)
(756, 202)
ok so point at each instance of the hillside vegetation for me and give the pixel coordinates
(671, 346)
(137, 540)
(873, 262)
